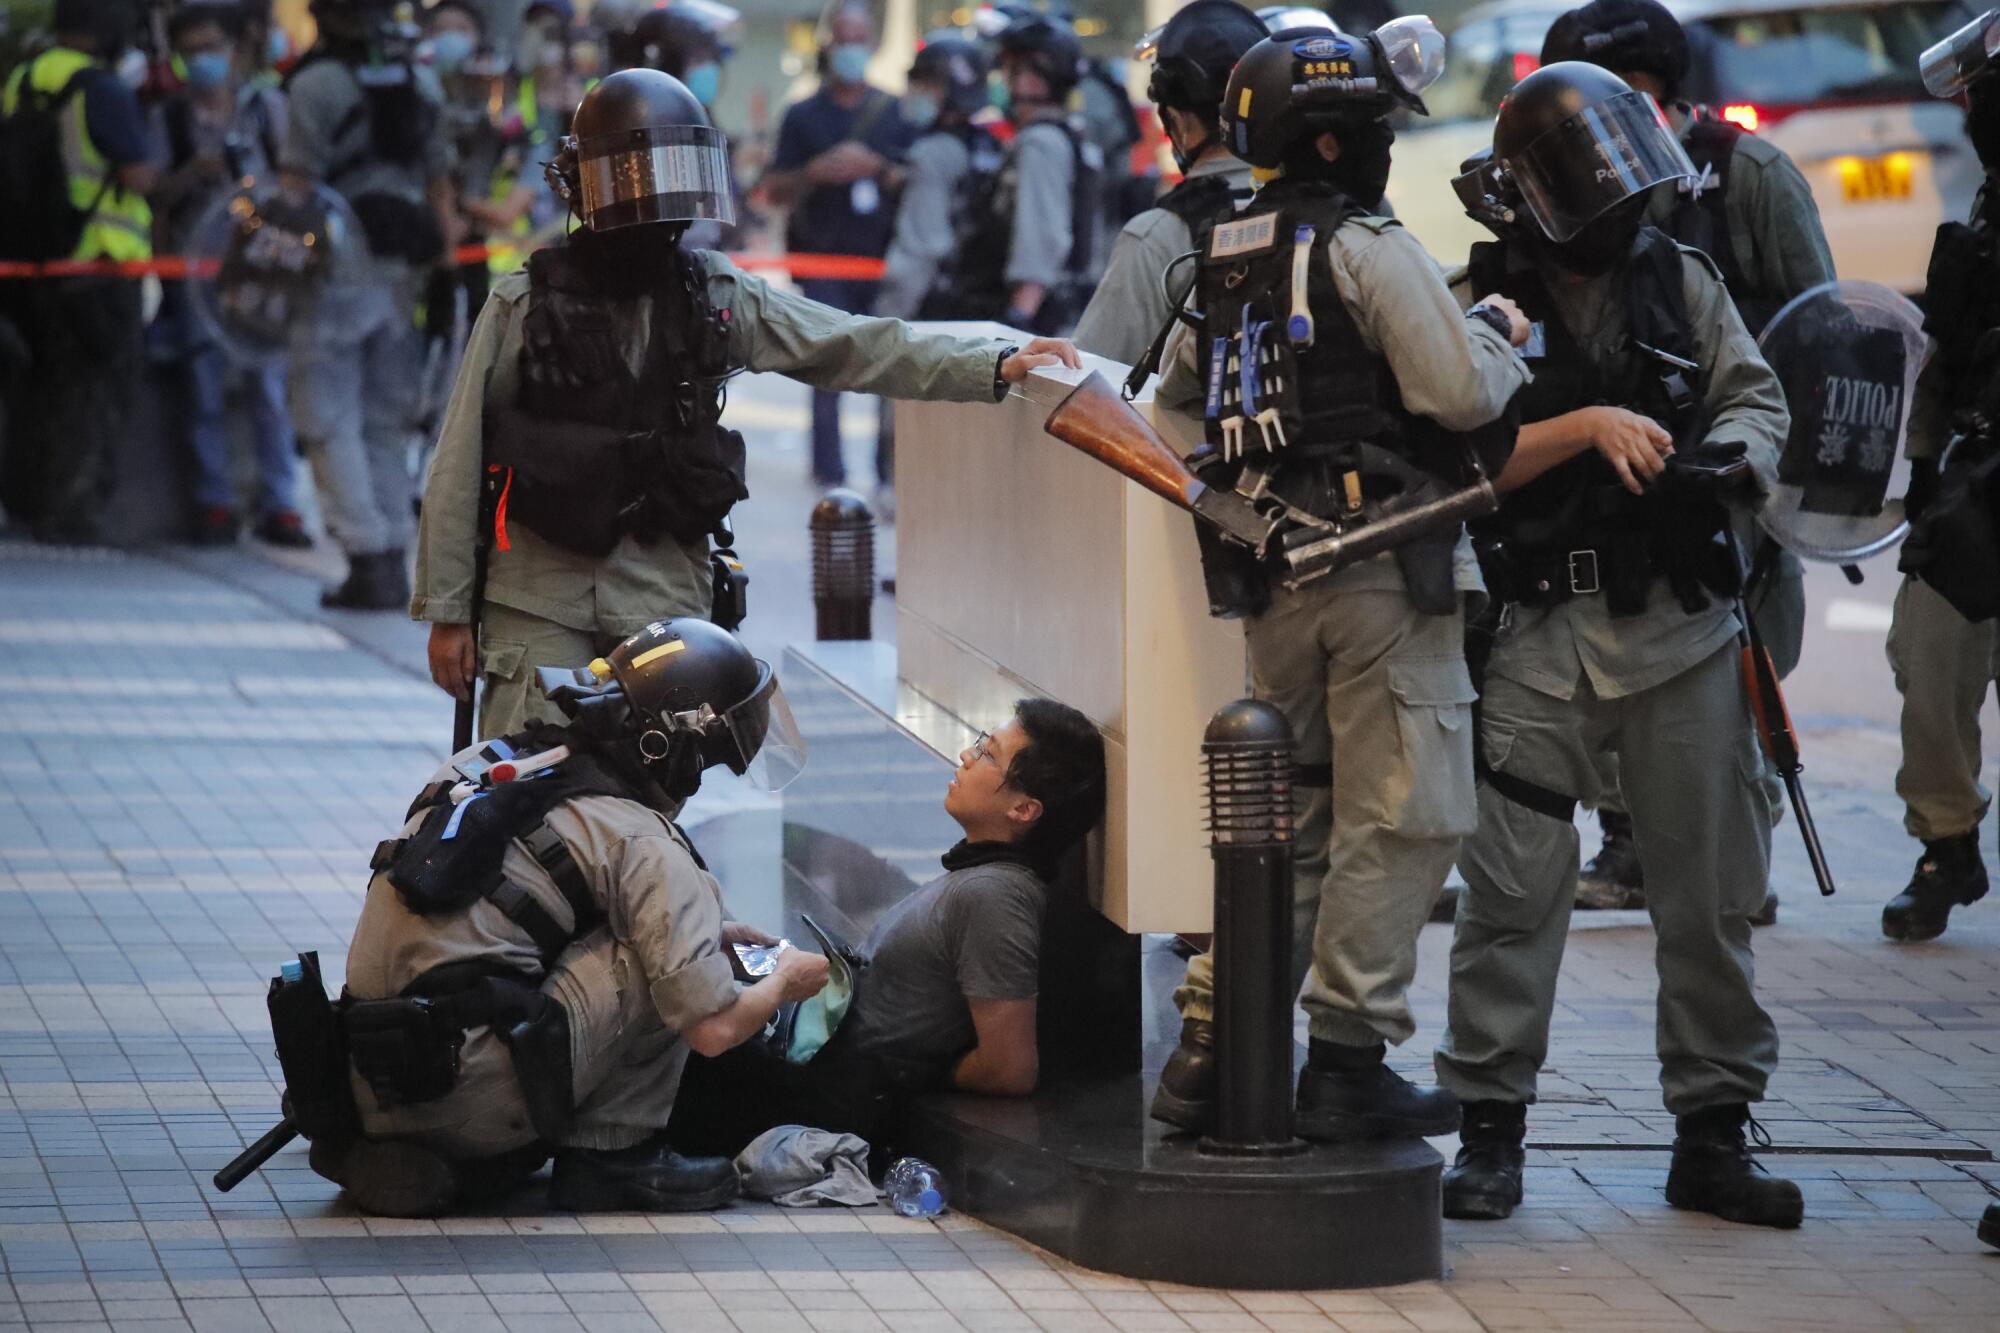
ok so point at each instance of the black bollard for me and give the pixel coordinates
(1248, 751)
(843, 566)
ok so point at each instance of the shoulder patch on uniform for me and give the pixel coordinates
(1244, 236)
(1700, 257)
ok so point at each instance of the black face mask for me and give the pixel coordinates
(1982, 120)
(624, 258)
(1604, 242)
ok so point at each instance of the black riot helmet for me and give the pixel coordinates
(959, 67)
(686, 695)
(1049, 47)
(1193, 52)
(640, 149)
(349, 23)
(1576, 141)
(1303, 81)
(682, 35)
(1624, 36)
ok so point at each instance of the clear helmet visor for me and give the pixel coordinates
(769, 749)
(663, 173)
(1951, 65)
(1596, 159)
(1413, 50)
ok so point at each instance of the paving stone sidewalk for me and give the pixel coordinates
(192, 773)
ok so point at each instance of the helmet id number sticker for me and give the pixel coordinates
(1243, 237)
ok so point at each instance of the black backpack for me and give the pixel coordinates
(39, 222)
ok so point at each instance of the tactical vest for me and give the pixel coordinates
(1293, 392)
(118, 223)
(399, 122)
(616, 428)
(1963, 299)
(977, 287)
(974, 217)
(1576, 529)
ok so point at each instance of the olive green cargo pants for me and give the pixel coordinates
(1944, 665)
(1380, 692)
(1692, 771)
(511, 645)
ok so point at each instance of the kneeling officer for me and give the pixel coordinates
(588, 407)
(542, 947)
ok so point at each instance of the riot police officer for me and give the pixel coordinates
(1944, 659)
(541, 947)
(587, 407)
(1750, 210)
(1614, 561)
(1363, 381)
(1030, 257)
(1192, 54)
(951, 172)
(367, 121)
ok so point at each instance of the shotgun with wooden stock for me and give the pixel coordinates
(1097, 421)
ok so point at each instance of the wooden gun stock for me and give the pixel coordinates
(1097, 421)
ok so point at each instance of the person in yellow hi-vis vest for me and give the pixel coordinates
(84, 328)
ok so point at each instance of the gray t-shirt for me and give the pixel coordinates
(970, 934)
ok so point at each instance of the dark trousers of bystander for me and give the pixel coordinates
(829, 468)
(85, 333)
(725, 1102)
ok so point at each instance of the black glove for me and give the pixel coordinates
(1923, 487)
(1721, 468)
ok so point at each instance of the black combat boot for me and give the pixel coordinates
(1346, 1094)
(1613, 878)
(376, 582)
(1989, 1226)
(1713, 1171)
(1185, 1098)
(1949, 874)
(1484, 1184)
(649, 1177)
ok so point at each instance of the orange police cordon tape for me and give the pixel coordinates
(172, 267)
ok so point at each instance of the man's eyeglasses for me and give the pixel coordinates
(982, 748)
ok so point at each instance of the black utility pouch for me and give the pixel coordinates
(306, 1030)
(405, 1049)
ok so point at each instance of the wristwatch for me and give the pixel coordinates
(999, 384)
(1493, 318)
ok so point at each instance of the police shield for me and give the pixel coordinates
(1847, 354)
(261, 257)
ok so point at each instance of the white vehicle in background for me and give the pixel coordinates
(1834, 84)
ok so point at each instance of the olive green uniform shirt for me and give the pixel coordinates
(1130, 304)
(1774, 226)
(1551, 649)
(769, 329)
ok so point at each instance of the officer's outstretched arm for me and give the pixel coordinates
(830, 349)
(1459, 372)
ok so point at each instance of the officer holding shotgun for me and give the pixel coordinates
(1613, 560)
(1335, 376)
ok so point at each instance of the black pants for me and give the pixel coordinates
(725, 1102)
(86, 338)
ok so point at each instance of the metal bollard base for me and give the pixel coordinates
(1079, 1170)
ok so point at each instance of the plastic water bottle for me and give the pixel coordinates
(915, 1188)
